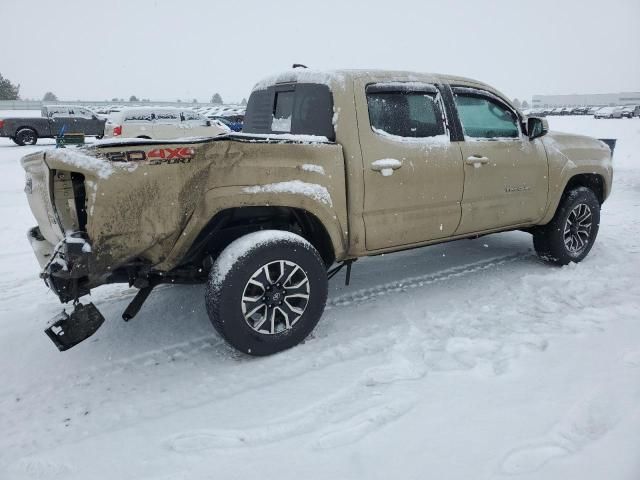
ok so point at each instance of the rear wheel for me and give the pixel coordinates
(266, 291)
(26, 136)
(572, 231)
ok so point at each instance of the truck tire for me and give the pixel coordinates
(26, 136)
(569, 236)
(266, 291)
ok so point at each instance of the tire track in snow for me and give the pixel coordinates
(372, 293)
(587, 420)
(220, 385)
(366, 405)
(170, 353)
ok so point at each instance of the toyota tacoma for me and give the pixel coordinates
(331, 166)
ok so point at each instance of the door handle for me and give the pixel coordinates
(477, 160)
(386, 166)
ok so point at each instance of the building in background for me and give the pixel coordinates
(595, 99)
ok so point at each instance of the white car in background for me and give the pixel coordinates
(162, 123)
(608, 112)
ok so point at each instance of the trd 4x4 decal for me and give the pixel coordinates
(169, 154)
(156, 156)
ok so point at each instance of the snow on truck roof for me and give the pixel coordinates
(337, 78)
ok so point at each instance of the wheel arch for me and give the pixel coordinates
(27, 127)
(231, 223)
(593, 181)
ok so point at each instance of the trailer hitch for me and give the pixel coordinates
(136, 304)
(67, 330)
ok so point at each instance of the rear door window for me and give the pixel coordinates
(411, 114)
(59, 112)
(193, 118)
(84, 113)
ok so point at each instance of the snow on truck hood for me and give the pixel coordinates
(562, 140)
(577, 148)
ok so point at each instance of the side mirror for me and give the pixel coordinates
(208, 123)
(537, 127)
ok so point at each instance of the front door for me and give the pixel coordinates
(413, 174)
(61, 120)
(85, 122)
(505, 173)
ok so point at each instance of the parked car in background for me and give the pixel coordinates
(234, 122)
(631, 111)
(161, 123)
(55, 120)
(608, 112)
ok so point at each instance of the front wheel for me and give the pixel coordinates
(267, 291)
(572, 231)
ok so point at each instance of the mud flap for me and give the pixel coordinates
(67, 330)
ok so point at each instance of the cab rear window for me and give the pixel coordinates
(297, 108)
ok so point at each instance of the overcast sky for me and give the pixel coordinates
(165, 50)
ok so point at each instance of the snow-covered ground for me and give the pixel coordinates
(469, 360)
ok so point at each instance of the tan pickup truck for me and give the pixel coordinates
(331, 166)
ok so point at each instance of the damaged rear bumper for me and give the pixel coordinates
(65, 266)
(65, 269)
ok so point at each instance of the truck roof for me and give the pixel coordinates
(336, 79)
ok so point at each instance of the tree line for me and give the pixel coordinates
(11, 91)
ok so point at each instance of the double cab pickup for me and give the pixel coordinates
(331, 166)
(55, 120)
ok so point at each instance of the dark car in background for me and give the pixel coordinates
(55, 120)
(234, 122)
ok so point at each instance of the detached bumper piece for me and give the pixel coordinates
(67, 330)
(64, 267)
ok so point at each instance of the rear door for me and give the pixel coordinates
(413, 174)
(83, 121)
(505, 173)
